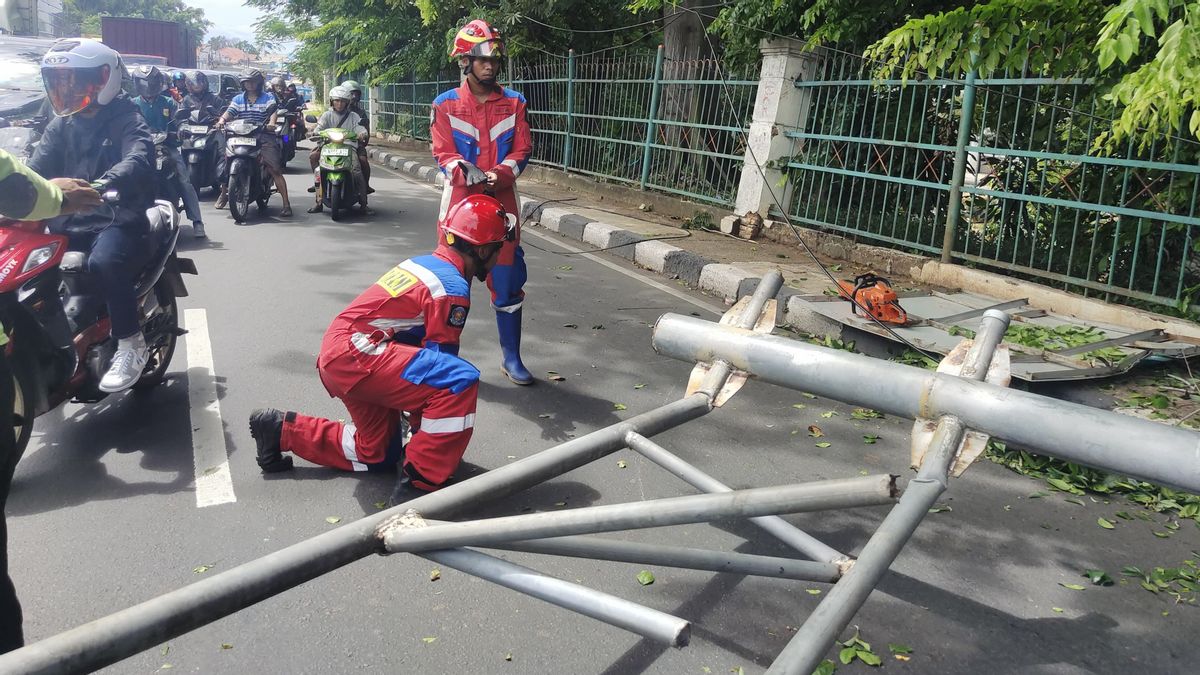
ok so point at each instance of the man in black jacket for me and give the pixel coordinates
(98, 136)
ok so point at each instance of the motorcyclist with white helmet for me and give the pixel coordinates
(99, 136)
(340, 116)
(356, 92)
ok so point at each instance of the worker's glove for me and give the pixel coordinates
(468, 175)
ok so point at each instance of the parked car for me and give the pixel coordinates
(223, 83)
(21, 89)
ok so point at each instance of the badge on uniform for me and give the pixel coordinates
(458, 316)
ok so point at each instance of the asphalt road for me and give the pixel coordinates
(104, 509)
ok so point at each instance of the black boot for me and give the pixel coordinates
(405, 490)
(266, 426)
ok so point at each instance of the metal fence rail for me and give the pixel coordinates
(638, 119)
(876, 158)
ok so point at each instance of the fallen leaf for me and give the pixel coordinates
(621, 464)
(166, 666)
(544, 416)
(565, 268)
(1039, 495)
(598, 326)
(570, 325)
(166, 649)
(815, 431)
(557, 378)
(869, 658)
(897, 648)
(827, 667)
(846, 655)
(645, 577)
(1073, 587)
(639, 386)
(865, 414)
(903, 657)
(805, 394)
(429, 640)
(333, 520)
(1072, 500)
(823, 444)
(619, 406)
(381, 505)
(435, 574)
(828, 415)
(870, 439)
(940, 508)
(737, 670)
(560, 503)
(201, 569)
(1161, 535)
(1098, 577)
(226, 645)
(508, 657)
(799, 406)
(813, 591)
(1104, 523)
(1058, 610)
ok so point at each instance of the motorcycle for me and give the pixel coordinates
(249, 180)
(168, 172)
(60, 346)
(335, 177)
(288, 138)
(198, 141)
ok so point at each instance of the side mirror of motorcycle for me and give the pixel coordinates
(230, 92)
(311, 119)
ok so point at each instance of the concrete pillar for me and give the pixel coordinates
(779, 106)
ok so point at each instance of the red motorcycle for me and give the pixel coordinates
(59, 343)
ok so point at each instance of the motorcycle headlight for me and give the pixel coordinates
(337, 136)
(200, 143)
(40, 256)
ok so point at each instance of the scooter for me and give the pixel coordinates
(59, 345)
(335, 179)
(199, 143)
(287, 138)
(167, 188)
(249, 180)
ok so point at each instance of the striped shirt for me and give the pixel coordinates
(256, 112)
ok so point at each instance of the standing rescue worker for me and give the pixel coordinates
(394, 350)
(482, 142)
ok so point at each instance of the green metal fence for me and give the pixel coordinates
(637, 119)
(876, 158)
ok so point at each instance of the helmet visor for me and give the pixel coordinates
(488, 48)
(148, 86)
(71, 90)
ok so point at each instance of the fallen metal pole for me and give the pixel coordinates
(405, 534)
(596, 548)
(780, 528)
(651, 623)
(806, 649)
(122, 634)
(720, 370)
(1069, 431)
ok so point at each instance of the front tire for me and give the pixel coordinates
(22, 415)
(239, 196)
(335, 201)
(165, 339)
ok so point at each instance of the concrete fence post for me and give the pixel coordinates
(779, 105)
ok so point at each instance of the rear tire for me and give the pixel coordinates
(164, 349)
(239, 197)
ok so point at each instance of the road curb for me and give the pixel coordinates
(727, 282)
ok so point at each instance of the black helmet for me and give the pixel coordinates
(198, 79)
(278, 81)
(252, 74)
(148, 80)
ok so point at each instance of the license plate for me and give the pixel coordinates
(338, 152)
(243, 141)
(197, 130)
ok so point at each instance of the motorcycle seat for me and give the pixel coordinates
(164, 232)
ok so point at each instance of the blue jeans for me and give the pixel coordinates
(117, 255)
(191, 204)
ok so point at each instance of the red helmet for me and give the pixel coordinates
(478, 220)
(477, 38)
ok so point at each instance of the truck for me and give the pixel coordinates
(32, 18)
(134, 37)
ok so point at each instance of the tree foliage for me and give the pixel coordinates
(83, 16)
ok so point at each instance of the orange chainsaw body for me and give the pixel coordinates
(874, 295)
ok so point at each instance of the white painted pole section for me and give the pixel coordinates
(214, 484)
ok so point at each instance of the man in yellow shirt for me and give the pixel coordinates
(24, 195)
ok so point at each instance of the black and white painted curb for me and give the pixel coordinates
(727, 282)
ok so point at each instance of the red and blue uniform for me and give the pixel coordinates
(494, 136)
(395, 348)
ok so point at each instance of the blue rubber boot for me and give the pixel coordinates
(509, 325)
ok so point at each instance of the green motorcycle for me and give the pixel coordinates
(335, 177)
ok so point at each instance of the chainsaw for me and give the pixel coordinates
(874, 295)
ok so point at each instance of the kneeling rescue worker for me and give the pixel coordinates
(394, 350)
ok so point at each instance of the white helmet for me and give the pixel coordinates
(339, 92)
(78, 73)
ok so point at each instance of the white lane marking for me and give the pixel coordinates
(557, 241)
(214, 484)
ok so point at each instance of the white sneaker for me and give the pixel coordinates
(127, 365)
